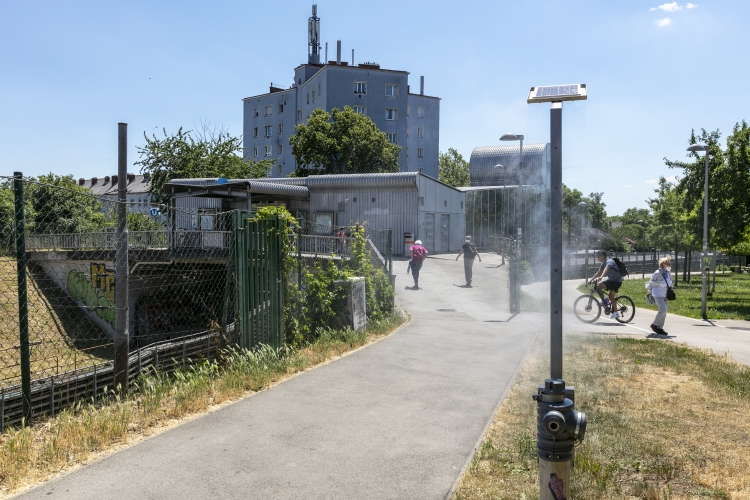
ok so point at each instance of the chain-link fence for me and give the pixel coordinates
(59, 314)
(326, 240)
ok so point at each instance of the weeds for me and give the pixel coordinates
(32, 454)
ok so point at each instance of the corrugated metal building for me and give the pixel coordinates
(534, 171)
(403, 201)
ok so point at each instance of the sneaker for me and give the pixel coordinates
(655, 328)
(662, 332)
(649, 299)
(614, 315)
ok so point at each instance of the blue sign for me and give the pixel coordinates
(154, 212)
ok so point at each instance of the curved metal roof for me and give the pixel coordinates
(392, 180)
(534, 171)
(202, 188)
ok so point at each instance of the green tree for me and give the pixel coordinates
(138, 221)
(571, 212)
(208, 154)
(453, 169)
(597, 210)
(633, 215)
(668, 224)
(59, 205)
(635, 232)
(342, 142)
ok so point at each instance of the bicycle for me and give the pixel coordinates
(588, 309)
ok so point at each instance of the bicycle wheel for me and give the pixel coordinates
(626, 308)
(587, 308)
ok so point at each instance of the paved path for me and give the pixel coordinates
(722, 336)
(398, 419)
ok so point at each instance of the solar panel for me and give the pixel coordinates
(554, 93)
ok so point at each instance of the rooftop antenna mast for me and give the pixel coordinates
(313, 37)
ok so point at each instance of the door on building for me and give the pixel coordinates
(445, 232)
(429, 232)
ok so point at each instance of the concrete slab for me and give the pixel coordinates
(398, 419)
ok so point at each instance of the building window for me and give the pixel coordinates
(462, 204)
(268, 150)
(313, 95)
(408, 110)
(445, 203)
(320, 89)
(255, 114)
(280, 167)
(391, 90)
(421, 200)
(407, 151)
(391, 114)
(299, 115)
(360, 110)
(360, 87)
(281, 128)
(281, 107)
(281, 149)
(342, 206)
(407, 131)
(373, 200)
(308, 98)
(420, 112)
(269, 110)
(420, 131)
(255, 132)
(268, 130)
(420, 152)
(393, 137)
(255, 151)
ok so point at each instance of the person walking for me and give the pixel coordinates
(418, 254)
(469, 252)
(660, 283)
(608, 269)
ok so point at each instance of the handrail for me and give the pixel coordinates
(143, 240)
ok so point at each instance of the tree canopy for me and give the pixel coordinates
(183, 156)
(342, 142)
(574, 215)
(453, 169)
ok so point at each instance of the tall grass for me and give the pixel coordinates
(31, 454)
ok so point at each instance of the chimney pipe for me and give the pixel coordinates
(338, 52)
(81, 181)
(326, 59)
(352, 57)
(421, 85)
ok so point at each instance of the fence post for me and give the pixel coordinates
(299, 257)
(389, 251)
(23, 303)
(121, 341)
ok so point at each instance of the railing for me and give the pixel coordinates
(318, 245)
(141, 240)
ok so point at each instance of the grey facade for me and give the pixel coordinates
(403, 202)
(412, 120)
(534, 171)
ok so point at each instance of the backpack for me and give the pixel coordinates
(621, 267)
(418, 253)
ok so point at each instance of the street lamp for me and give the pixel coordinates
(516, 137)
(645, 241)
(584, 209)
(502, 215)
(694, 148)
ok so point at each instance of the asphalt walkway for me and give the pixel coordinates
(397, 419)
(724, 337)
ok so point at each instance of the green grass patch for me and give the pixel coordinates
(731, 300)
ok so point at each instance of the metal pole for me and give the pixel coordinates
(390, 251)
(704, 272)
(503, 202)
(556, 239)
(23, 303)
(121, 265)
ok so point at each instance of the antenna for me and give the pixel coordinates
(313, 37)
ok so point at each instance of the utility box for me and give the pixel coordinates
(353, 310)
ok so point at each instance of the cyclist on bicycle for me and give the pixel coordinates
(613, 282)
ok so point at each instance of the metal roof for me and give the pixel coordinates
(483, 160)
(234, 189)
(100, 186)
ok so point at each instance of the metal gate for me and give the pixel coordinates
(445, 232)
(260, 293)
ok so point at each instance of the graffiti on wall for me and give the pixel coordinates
(96, 293)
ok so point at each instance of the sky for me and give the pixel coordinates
(70, 71)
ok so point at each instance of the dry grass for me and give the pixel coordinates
(665, 422)
(86, 432)
(62, 336)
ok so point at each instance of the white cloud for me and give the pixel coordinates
(691, 5)
(670, 7)
(664, 22)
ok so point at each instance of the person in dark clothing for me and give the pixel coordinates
(418, 255)
(469, 251)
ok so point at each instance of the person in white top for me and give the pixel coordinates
(660, 282)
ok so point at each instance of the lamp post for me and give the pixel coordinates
(643, 269)
(502, 215)
(516, 137)
(584, 210)
(694, 148)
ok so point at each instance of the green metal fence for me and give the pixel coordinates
(260, 281)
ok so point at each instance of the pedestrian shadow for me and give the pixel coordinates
(465, 286)
(656, 336)
(501, 320)
(411, 288)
